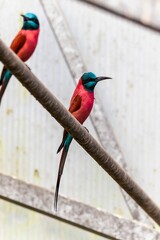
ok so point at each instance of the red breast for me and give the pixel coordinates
(30, 44)
(87, 100)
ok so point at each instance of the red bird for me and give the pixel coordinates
(80, 106)
(23, 45)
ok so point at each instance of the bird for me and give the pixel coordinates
(80, 107)
(23, 45)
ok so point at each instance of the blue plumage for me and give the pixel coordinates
(30, 21)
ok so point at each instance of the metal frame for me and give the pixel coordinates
(124, 9)
(75, 213)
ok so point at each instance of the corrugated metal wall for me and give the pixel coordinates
(130, 54)
(29, 137)
(20, 224)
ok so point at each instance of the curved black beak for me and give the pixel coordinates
(101, 78)
(24, 17)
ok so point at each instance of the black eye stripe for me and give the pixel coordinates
(34, 20)
(89, 80)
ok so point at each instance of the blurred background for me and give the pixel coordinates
(119, 39)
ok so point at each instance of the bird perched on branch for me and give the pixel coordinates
(80, 107)
(23, 45)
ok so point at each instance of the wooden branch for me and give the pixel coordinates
(72, 212)
(98, 118)
(59, 112)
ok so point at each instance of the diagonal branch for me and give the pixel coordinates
(59, 112)
(99, 119)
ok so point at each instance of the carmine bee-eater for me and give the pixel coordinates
(23, 45)
(80, 107)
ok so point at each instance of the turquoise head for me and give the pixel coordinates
(89, 80)
(30, 21)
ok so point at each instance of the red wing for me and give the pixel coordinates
(18, 42)
(16, 45)
(75, 104)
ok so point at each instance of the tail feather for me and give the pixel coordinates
(67, 139)
(60, 171)
(65, 134)
(5, 82)
(2, 90)
(4, 70)
(60, 147)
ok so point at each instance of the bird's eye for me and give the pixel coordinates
(87, 80)
(34, 20)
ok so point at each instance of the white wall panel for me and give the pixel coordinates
(29, 137)
(21, 224)
(130, 54)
